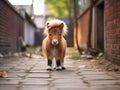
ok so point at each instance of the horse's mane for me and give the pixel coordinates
(53, 23)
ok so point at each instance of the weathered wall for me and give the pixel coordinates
(112, 30)
(11, 27)
(82, 30)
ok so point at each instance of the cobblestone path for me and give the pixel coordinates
(30, 74)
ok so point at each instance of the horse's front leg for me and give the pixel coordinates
(58, 64)
(49, 63)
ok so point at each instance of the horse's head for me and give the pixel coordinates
(55, 34)
(55, 30)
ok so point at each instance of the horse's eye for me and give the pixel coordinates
(50, 34)
(59, 34)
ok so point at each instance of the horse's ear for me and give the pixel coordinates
(61, 26)
(47, 25)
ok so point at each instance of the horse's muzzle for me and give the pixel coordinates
(54, 42)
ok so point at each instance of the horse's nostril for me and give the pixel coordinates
(54, 42)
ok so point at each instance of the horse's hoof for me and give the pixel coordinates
(63, 68)
(58, 68)
(49, 68)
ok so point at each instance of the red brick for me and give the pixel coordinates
(112, 21)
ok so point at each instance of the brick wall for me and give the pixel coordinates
(112, 30)
(83, 22)
(11, 27)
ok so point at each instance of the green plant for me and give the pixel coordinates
(108, 64)
(75, 57)
(100, 58)
(35, 50)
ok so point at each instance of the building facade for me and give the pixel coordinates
(112, 30)
(10, 28)
(105, 28)
(13, 25)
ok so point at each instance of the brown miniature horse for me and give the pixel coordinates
(54, 45)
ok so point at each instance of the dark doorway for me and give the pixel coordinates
(100, 27)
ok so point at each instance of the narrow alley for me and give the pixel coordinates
(88, 29)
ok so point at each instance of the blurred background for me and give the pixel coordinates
(39, 11)
(26, 21)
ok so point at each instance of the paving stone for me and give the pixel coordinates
(88, 88)
(38, 71)
(92, 73)
(72, 86)
(33, 88)
(8, 82)
(64, 74)
(67, 80)
(98, 77)
(8, 88)
(86, 69)
(38, 75)
(10, 79)
(16, 75)
(33, 82)
(17, 71)
(4, 68)
(37, 79)
(8, 65)
(104, 87)
(114, 74)
(105, 82)
(23, 67)
(80, 88)
(39, 68)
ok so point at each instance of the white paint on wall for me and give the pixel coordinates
(29, 34)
